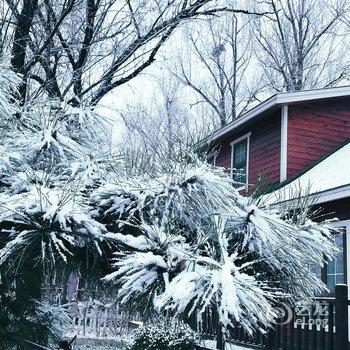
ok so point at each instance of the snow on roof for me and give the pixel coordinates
(332, 172)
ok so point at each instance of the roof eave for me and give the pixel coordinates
(325, 196)
(276, 101)
(261, 108)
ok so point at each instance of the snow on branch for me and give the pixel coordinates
(52, 216)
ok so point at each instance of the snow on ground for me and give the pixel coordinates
(99, 344)
(103, 345)
(332, 172)
(99, 347)
(210, 344)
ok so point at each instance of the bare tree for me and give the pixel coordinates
(80, 50)
(223, 52)
(160, 129)
(300, 44)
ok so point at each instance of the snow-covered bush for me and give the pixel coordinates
(164, 335)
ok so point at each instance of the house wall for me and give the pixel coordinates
(264, 150)
(315, 130)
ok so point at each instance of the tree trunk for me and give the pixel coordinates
(21, 38)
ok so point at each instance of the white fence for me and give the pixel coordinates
(93, 319)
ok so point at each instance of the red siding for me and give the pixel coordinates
(264, 152)
(315, 130)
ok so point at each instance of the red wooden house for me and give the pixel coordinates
(290, 139)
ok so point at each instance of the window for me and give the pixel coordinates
(240, 161)
(335, 271)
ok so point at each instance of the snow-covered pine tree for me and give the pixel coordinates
(49, 153)
(184, 240)
(191, 244)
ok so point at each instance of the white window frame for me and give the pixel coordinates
(245, 136)
(346, 224)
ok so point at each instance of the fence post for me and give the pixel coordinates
(341, 317)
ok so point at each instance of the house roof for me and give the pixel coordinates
(276, 101)
(327, 180)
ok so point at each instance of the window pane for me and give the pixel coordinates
(317, 271)
(240, 152)
(240, 177)
(239, 163)
(331, 267)
(339, 279)
(335, 269)
(331, 283)
(339, 267)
